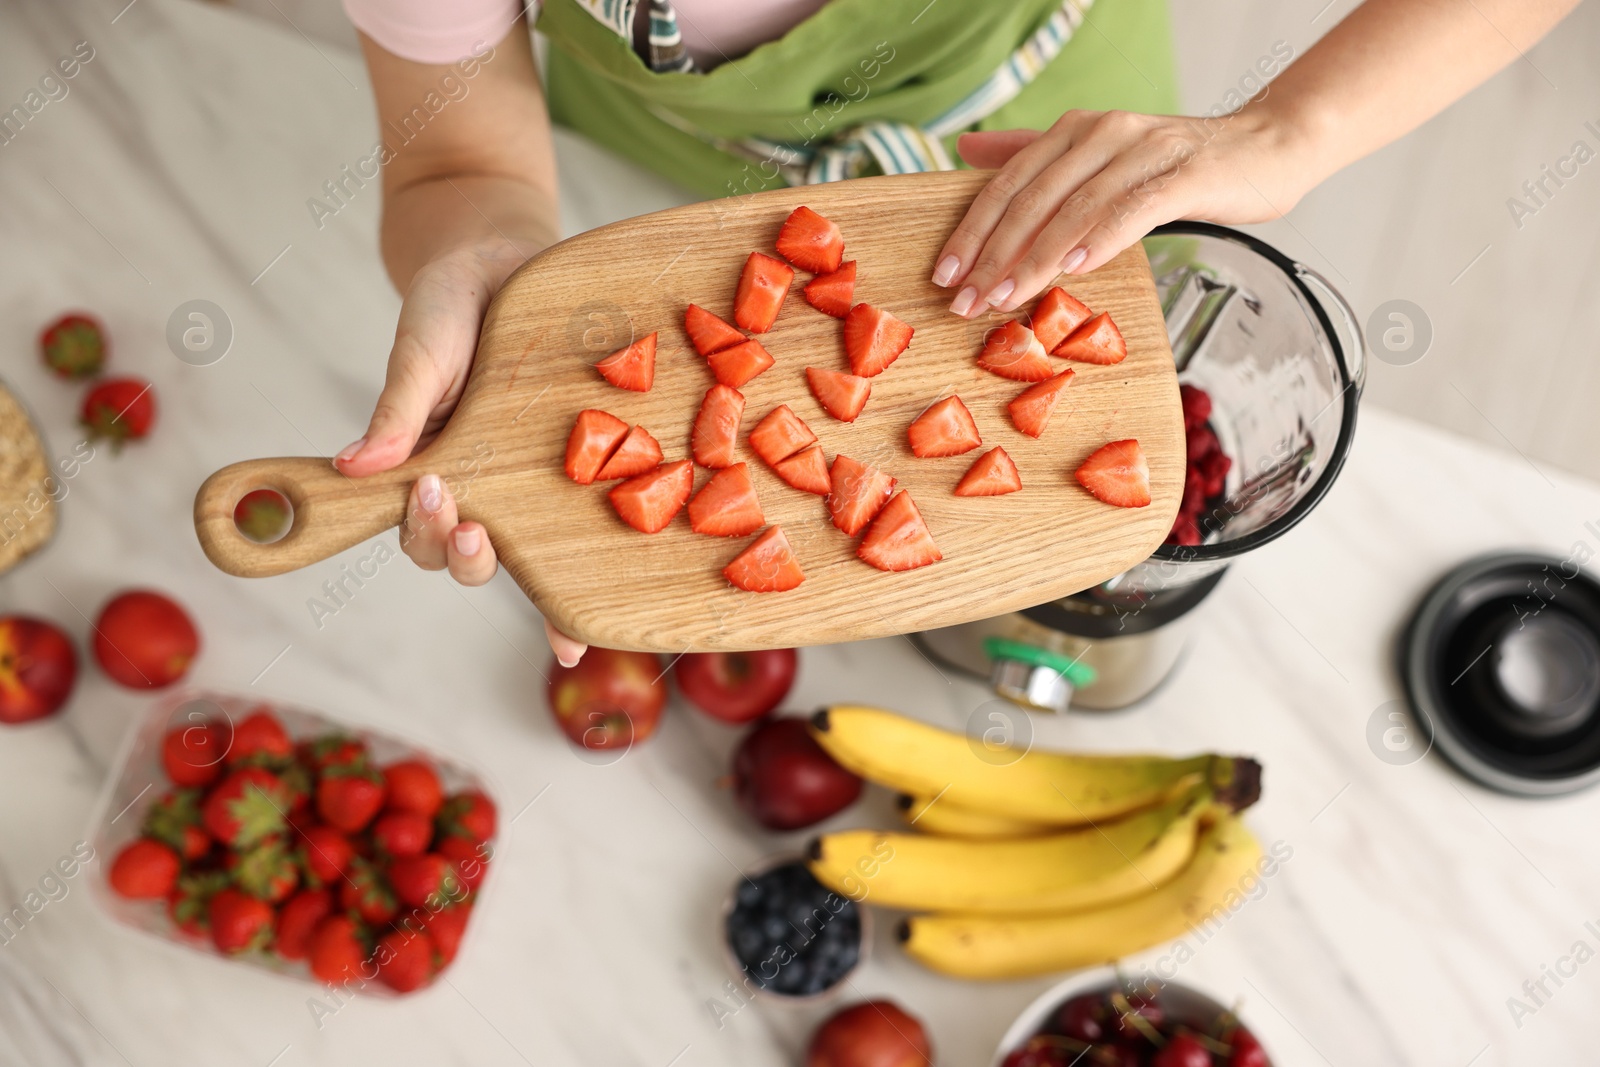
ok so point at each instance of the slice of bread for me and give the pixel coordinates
(27, 485)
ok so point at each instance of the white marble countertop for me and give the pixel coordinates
(177, 167)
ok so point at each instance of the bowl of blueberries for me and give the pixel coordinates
(788, 936)
(1100, 1019)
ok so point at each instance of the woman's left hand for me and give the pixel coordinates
(1068, 199)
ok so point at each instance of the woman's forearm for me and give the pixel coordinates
(495, 218)
(1389, 67)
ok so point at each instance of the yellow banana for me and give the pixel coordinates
(1032, 785)
(1082, 868)
(948, 820)
(1208, 890)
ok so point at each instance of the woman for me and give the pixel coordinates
(1070, 102)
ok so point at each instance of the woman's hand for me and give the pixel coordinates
(1068, 199)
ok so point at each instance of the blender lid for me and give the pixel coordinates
(1501, 664)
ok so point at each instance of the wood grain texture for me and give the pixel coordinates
(607, 584)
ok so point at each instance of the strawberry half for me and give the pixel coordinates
(726, 506)
(1117, 474)
(806, 470)
(1056, 315)
(898, 539)
(1096, 341)
(1030, 410)
(831, 293)
(638, 453)
(1012, 351)
(648, 502)
(595, 435)
(716, 427)
(810, 241)
(780, 435)
(993, 474)
(737, 365)
(633, 367)
(841, 395)
(708, 333)
(873, 339)
(856, 492)
(763, 284)
(943, 429)
(767, 565)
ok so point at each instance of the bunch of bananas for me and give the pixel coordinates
(1043, 862)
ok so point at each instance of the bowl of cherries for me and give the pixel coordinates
(1099, 1019)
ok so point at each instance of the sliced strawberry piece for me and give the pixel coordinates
(716, 427)
(806, 471)
(1117, 473)
(767, 565)
(1030, 411)
(855, 493)
(737, 365)
(898, 539)
(780, 435)
(649, 501)
(638, 453)
(841, 395)
(992, 474)
(594, 437)
(831, 293)
(726, 506)
(763, 284)
(1012, 351)
(1056, 315)
(633, 367)
(943, 429)
(1096, 341)
(708, 333)
(873, 339)
(810, 241)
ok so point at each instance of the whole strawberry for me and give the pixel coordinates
(324, 853)
(239, 921)
(336, 950)
(446, 927)
(119, 410)
(348, 796)
(469, 814)
(74, 346)
(405, 960)
(296, 920)
(174, 819)
(145, 870)
(259, 739)
(402, 833)
(419, 879)
(189, 903)
(266, 870)
(413, 786)
(192, 755)
(470, 858)
(364, 891)
(333, 750)
(245, 807)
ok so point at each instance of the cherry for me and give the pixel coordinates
(1145, 1008)
(1182, 1051)
(1247, 1051)
(1084, 1018)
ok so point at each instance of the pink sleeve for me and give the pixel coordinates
(428, 31)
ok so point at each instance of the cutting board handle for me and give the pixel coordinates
(332, 512)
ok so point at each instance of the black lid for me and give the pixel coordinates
(1501, 664)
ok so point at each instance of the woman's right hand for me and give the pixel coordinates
(434, 344)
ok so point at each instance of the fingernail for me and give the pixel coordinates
(945, 272)
(1002, 293)
(964, 301)
(468, 541)
(1074, 259)
(565, 662)
(430, 493)
(349, 451)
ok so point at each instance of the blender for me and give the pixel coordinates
(1281, 356)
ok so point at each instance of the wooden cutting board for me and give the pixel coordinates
(605, 583)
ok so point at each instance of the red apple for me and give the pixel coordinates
(736, 687)
(37, 668)
(144, 640)
(878, 1033)
(610, 699)
(784, 779)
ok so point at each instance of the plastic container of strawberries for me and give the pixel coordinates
(139, 780)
